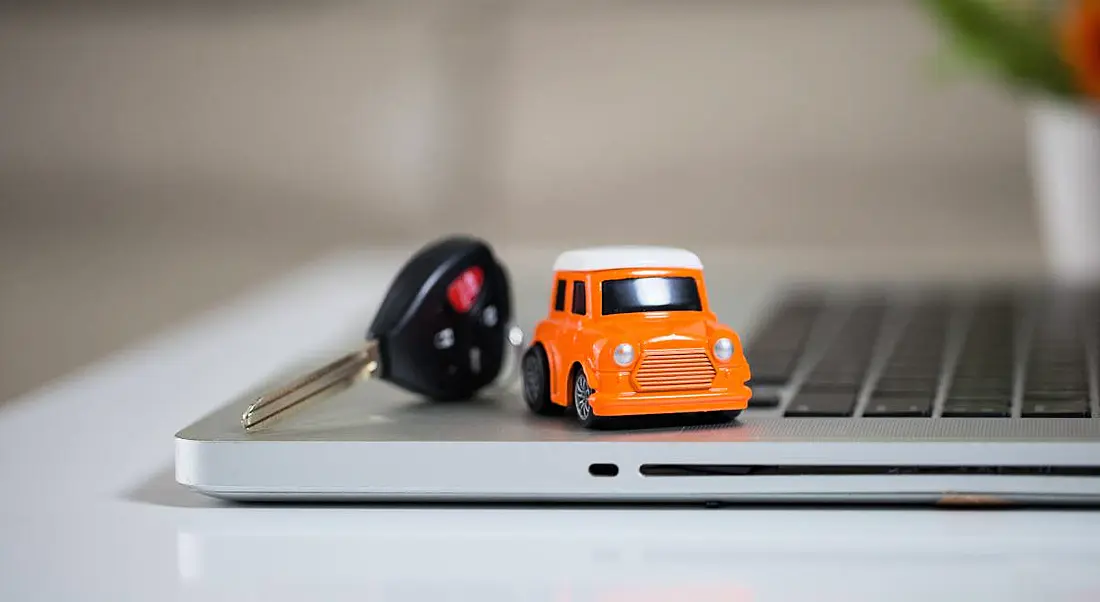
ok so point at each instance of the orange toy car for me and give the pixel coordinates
(630, 332)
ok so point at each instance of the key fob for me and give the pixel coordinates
(442, 327)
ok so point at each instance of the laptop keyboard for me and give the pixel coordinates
(985, 354)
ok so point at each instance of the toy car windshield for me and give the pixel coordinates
(646, 294)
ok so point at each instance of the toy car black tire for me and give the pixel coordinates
(584, 413)
(536, 382)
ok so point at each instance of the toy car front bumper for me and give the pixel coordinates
(632, 403)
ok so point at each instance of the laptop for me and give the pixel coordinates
(864, 390)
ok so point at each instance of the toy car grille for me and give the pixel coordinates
(674, 370)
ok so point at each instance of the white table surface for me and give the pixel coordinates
(90, 509)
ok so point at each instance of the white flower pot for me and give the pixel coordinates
(1065, 165)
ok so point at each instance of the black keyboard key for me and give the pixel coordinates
(848, 354)
(764, 399)
(981, 388)
(978, 408)
(839, 382)
(928, 367)
(774, 351)
(808, 404)
(773, 370)
(1056, 408)
(1057, 357)
(905, 406)
(986, 367)
(906, 386)
(1052, 394)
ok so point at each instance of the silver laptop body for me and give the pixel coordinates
(908, 392)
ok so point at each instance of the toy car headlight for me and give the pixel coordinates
(624, 354)
(723, 349)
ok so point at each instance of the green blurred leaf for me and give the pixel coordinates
(949, 64)
(1017, 47)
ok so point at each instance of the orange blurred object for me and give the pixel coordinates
(630, 332)
(1080, 36)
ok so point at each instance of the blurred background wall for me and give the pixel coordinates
(159, 157)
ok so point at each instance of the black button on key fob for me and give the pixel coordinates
(441, 331)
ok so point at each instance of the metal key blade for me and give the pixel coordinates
(340, 373)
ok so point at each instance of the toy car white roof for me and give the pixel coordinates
(628, 257)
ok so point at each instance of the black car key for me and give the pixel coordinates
(442, 332)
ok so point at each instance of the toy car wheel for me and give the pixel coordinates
(579, 402)
(536, 382)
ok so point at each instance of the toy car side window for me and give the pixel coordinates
(559, 296)
(578, 298)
